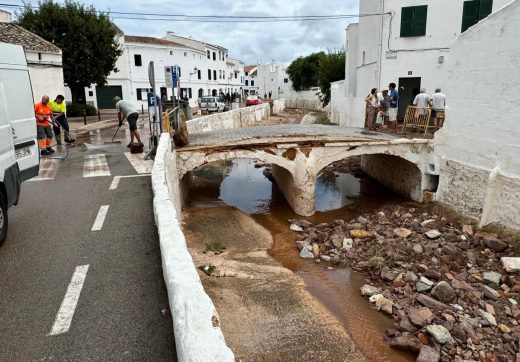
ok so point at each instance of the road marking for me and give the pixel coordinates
(139, 163)
(115, 181)
(70, 301)
(95, 166)
(100, 218)
(48, 169)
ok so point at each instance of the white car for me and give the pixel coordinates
(211, 104)
(19, 154)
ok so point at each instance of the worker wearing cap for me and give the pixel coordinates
(59, 110)
(127, 110)
(43, 113)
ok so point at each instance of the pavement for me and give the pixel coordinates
(80, 271)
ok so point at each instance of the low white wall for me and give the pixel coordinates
(343, 110)
(198, 336)
(278, 106)
(236, 118)
(304, 100)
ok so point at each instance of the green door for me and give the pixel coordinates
(105, 96)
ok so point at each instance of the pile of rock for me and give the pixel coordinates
(453, 292)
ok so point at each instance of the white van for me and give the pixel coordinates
(19, 154)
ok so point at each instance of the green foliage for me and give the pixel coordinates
(86, 38)
(303, 71)
(76, 110)
(215, 247)
(331, 69)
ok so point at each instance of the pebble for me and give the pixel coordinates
(306, 253)
(439, 333)
(420, 316)
(360, 234)
(386, 305)
(427, 222)
(375, 298)
(428, 354)
(512, 301)
(494, 243)
(325, 258)
(402, 232)
(504, 328)
(423, 284)
(490, 293)
(348, 243)
(511, 264)
(417, 248)
(492, 277)
(369, 290)
(433, 234)
(443, 291)
(297, 228)
(467, 229)
(488, 317)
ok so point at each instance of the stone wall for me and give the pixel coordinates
(395, 173)
(304, 100)
(480, 140)
(343, 110)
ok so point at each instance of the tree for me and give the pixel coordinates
(303, 71)
(331, 68)
(85, 36)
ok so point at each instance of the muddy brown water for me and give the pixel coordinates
(338, 196)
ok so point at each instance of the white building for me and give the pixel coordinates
(273, 78)
(44, 59)
(234, 76)
(409, 44)
(205, 69)
(250, 79)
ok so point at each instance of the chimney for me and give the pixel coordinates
(5, 16)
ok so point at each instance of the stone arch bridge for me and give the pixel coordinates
(298, 153)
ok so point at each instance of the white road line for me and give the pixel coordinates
(95, 166)
(68, 305)
(139, 163)
(48, 170)
(100, 218)
(115, 183)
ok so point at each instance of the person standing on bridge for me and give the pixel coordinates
(438, 108)
(392, 111)
(127, 110)
(372, 101)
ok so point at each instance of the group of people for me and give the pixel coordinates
(382, 109)
(51, 117)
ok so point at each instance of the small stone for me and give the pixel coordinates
(362, 220)
(420, 316)
(511, 264)
(295, 227)
(443, 292)
(402, 232)
(348, 243)
(375, 298)
(494, 243)
(418, 249)
(315, 250)
(450, 249)
(360, 234)
(389, 275)
(302, 244)
(489, 308)
(488, 317)
(410, 277)
(421, 268)
(407, 216)
(439, 333)
(325, 258)
(467, 229)
(423, 284)
(490, 293)
(381, 214)
(482, 234)
(504, 328)
(432, 274)
(428, 354)
(457, 307)
(369, 290)
(306, 253)
(429, 302)
(406, 342)
(427, 222)
(385, 305)
(336, 241)
(505, 288)
(492, 277)
(512, 301)
(406, 326)
(433, 234)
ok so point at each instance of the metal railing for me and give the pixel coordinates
(417, 118)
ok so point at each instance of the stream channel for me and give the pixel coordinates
(339, 195)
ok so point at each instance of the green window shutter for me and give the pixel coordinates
(485, 8)
(469, 14)
(407, 21)
(420, 16)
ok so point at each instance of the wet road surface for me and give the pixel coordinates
(80, 271)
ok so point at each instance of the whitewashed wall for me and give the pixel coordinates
(304, 100)
(46, 74)
(479, 143)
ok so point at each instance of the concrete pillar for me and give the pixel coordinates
(298, 188)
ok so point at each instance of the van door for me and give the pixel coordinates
(9, 176)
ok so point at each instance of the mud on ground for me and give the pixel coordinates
(265, 310)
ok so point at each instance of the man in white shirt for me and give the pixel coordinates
(422, 100)
(438, 107)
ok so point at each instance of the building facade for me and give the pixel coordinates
(273, 78)
(44, 59)
(250, 80)
(408, 43)
(205, 69)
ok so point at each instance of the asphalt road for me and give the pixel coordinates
(120, 311)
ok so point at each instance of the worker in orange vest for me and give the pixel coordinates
(43, 112)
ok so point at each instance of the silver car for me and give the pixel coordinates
(211, 104)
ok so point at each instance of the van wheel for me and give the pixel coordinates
(3, 218)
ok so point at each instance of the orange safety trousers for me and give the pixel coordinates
(44, 132)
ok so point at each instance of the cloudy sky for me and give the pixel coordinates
(250, 42)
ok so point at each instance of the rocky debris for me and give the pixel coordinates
(368, 290)
(439, 333)
(306, 253)
(428, 354)
(511, 264)
(444, 292)
(451, 290)
(296, 228)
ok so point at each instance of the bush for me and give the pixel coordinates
(76, 110)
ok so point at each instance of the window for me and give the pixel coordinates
(214, 56)
(247, 82)
(137, 60)
(209, 56)
(474, 11)
(219, 74)
(285, 80)
(39, 56)
(171, 52)
(413, 20)
(139, 93)
(223, 74)
(252, 83)
(236, 75)
(190, 94)
(219, 55)
(209, 74)
(199, 74)
(246, 73)
(185, 54)
(90, 93)
(214, 74)
(179, 75)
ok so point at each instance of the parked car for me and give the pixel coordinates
(19, 154)
(211, 104)
(253, 100)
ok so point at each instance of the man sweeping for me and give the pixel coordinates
(127, 110)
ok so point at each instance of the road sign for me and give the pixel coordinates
(170, 75)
